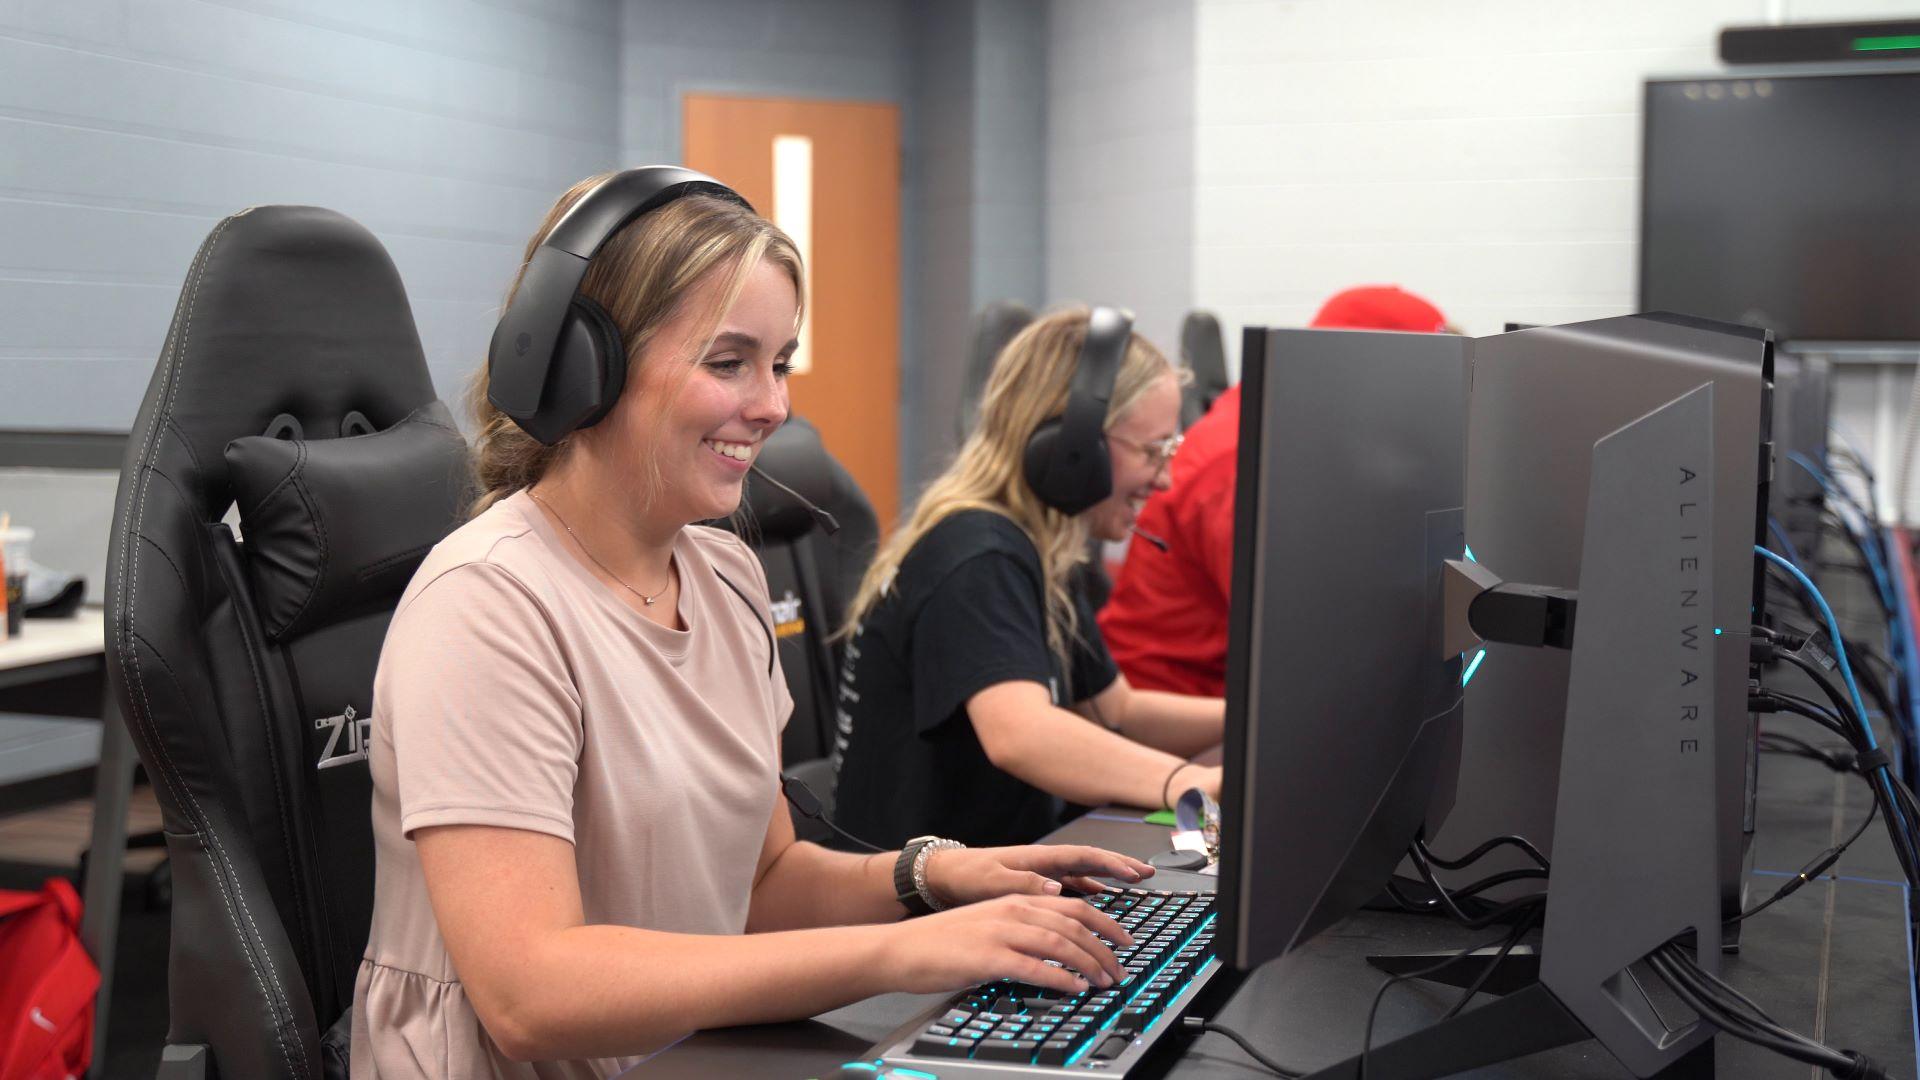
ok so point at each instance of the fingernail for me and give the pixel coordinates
(1051, 887)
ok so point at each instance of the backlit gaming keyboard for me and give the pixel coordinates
(1008, 1028)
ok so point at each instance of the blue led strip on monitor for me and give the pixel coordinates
(1472, 666)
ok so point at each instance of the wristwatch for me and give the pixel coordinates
(910, 874)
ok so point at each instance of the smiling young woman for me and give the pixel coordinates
(581, 853)
(973, 665)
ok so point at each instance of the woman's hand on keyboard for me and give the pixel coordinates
(1011, 937)
(968, 875)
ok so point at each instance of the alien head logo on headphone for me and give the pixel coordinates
(1067, 463)
(556, 363)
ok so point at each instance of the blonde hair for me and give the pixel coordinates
(1029, 385)
(641, 275)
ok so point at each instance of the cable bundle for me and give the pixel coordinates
(1848, 718)
(1739, 1016)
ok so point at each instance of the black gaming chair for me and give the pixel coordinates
(292, 388)
(996, 325)
(811, 578)
(1203, 349)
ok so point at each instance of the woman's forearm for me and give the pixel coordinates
(606, 991)
(809, 885)
(1061, 754)
(1179, 724)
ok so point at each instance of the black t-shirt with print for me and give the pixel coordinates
(966, 610)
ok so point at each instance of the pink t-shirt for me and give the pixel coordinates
(516, 690)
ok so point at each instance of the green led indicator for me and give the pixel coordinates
(1893, 43)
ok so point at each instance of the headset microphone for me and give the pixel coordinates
(807, 803)
(827, 521)
(1149, 538)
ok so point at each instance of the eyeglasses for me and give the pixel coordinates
(1159, 452)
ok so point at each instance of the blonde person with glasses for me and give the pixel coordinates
(978, 699)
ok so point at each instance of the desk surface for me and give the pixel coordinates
(42, 641)
(1308, 1008)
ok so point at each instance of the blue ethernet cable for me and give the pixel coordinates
(1846, 669)
(1869, 543)
(1786, 543)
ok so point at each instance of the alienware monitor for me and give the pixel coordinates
(1343, 714)
(1541, 399)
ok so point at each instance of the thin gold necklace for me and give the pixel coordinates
(648, 600)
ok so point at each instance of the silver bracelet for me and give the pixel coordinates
(920, 869)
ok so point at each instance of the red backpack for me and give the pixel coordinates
(47, 984)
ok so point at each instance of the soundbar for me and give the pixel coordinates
(1887, 39)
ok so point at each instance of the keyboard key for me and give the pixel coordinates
(1054, 1052)
(942, 1030)
(1111, 1047)
(933, 1046)
(1006, 1050)
(956, 1018)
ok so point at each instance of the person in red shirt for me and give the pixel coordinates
(1166, 622)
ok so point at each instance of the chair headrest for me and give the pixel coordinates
(1203, 348)
(292, 310)
(336, 527)
(795, 457)
(996, 325)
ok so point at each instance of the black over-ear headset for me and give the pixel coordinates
(1067, 464)
(556, 363)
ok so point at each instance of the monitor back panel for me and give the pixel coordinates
(1541, 398)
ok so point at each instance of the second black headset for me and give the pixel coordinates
(1067, 463)
(557, 363)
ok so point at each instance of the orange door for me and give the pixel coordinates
(837, 190)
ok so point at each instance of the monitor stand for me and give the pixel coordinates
(1636, 819)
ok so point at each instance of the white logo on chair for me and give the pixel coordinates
(786, 617)
(359, 731)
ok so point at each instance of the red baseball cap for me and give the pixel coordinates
(1379, 307)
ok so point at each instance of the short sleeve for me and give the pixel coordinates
(475, 695)
(982, 625)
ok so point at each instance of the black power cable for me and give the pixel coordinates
(1506, 943)
(1734, 1013)
(1471, 857)
(1840, 760)
(1446, 897)
(1431, 904)
(1816, 866)
(1195, 1023)
(1891, 795)
(1767, 701)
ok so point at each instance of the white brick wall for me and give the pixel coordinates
(1120, 158)
(1483, 154)
(128, 129)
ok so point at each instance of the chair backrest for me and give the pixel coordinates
(811, 576)
(996, 325)
(293, 390)
(1203, 349)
